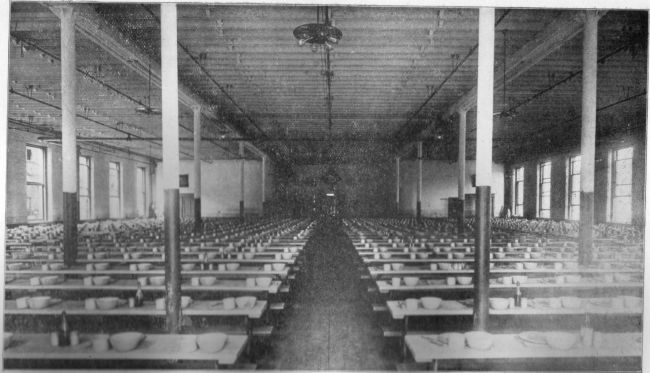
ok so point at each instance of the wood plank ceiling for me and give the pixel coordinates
(245, 62)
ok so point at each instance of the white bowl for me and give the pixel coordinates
(499, 304)
(499, 255)
(479, 340)
(287, 256)
(430, 303)
(385, 255)
(56, 266)
(263, 281)
(397, 266)
(49, 280)
(144, 266)
(39, 302)
(458, 255)
(126, 341)
(530, 265)
(411, 280)
(278, 266)
(208, 280)
(101, 266)
(561, 340)
(422, 255)
(107, 303)
(464, 280)
(187, 266)
(211, 342)
(157, 280)
(232, 266)
(245, 301)
(185, 301)
(249, 256)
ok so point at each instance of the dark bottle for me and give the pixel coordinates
(518, 296)
(139, 296)
(64, 331)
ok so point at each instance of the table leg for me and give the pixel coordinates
(404, 330)
(249, 333)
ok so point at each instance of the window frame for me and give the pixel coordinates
(541, 181)
(515, 191)
(613, 185)
(119, 195)
(142, 191)
(43, 184)
(573, 206)
(90, 187)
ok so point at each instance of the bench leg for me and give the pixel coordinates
(404, 330)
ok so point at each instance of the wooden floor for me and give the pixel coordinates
(330, 324)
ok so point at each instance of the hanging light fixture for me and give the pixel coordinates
(318, 34)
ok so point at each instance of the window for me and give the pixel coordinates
(621, 186)
(141, 190)
(114, 190)
(573, 188)
(518, 189)
(85, 206)
(36, 184)
(544, 190)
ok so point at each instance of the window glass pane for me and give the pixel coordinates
(621, 210)
(35, 165)
(519, 173)
(575, 165)
(35, 202)
(114, 208)
(520, 193)
(84, 208)
(624, 172)
(625, 153)
(546, 188)
(623, 190)
(575, 183)
(575, 198)
(574, 212)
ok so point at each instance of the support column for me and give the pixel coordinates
(418, 207)
(484, 109)
(462, 125)
(68, 135)
(263, 183)
(198, 222)
(242, 191)
(169, 67)
(397, 184)
(588, 136)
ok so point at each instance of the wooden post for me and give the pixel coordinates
(484, 109)
(69, 155)
(462, 125)
(263, 182)
(588, 135)
(243, 176)
(418, 207)
(198, 223)
(397, 184)
(169, 67)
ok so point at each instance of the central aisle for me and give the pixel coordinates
(330, 324)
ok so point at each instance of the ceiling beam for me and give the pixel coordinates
(96, 29)
(564, 28)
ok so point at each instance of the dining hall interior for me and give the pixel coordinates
(200, 186)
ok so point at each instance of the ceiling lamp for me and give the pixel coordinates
(318, 34)
(148, 109)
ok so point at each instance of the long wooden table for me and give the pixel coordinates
(154, 347)
(196, 308)
(509, 346)
(132, 285)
